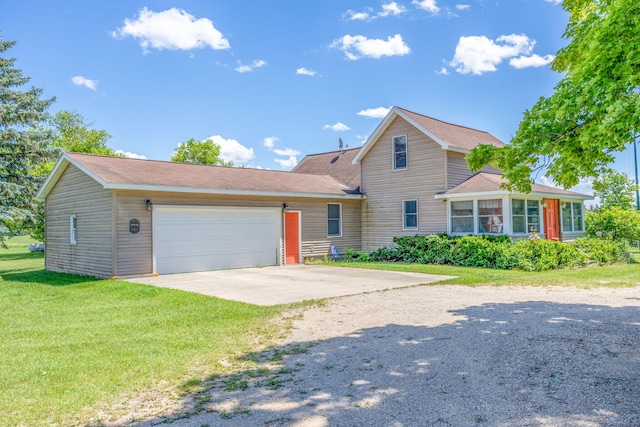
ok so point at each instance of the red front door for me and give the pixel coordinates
(292, 237)
(551, 215)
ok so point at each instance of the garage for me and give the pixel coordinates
(200, 238)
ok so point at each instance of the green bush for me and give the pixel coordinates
(604, 251)
(617, 224)
(540, 255)
(482, 251)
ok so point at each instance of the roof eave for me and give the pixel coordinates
(57, 171)
(508, 193)
(230, 192)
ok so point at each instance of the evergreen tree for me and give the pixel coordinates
(25, 141)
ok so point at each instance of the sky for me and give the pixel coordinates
(273, 81)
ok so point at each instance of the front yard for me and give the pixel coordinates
(74, 347)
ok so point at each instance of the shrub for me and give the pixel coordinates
(482, 251)
(540, 255)
(603, 251)
(617, 224)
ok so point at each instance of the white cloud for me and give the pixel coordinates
(305, 72)
(392, 8)
(350, 15)
(270, 141)
(230, 149)
(428, 5)
(172, 29)
(374, 113)
(356, 47)
(257, 63)
(130, 155)
(286, 152)
(554, 1)
(531, 61)
(338, 127)
(443, 71)
(82, 81)
(463, 6)
(478, 54)
(288, 162)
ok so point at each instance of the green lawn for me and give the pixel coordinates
(616, 275)
(71, 345)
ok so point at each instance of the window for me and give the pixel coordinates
(525, 216)
(334, 223)
(410, 215)
(462, 217)
(399, 152)
(490, 216)
(73, 230)
(572, 216)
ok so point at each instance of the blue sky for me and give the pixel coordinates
(272, 81)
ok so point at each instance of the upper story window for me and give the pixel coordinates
(73, 230)
(334, 220)
(399, 152)
(525, 216)
(410, 215)
(490, 216)
(572, 216)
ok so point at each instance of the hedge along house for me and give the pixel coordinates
(117, 217)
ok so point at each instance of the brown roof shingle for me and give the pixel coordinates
(452, 134)
(483, 182)
(125, 173)
(337, 164)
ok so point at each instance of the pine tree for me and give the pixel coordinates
(25, 140)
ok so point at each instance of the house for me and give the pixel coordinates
(117, 217)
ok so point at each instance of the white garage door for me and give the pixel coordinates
(193, 238)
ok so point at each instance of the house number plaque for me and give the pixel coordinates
(134, 226)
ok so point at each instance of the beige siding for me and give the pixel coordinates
(458, 171)
(77, 194)
(386, 189)
(135, 250)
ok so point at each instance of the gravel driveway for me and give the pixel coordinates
(442, 356)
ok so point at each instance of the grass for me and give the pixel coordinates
(615, 275)
(72, 345)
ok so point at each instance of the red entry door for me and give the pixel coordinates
(551, 215)
(292, 237)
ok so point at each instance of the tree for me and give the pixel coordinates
(615, 223)
(24, 142)
(73, 134)
(614, 189)
(204, 152)
(595, 109)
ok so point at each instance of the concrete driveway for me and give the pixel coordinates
(288, 284)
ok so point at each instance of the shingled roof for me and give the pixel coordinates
(489, 183)
(450, 136)
(137, 174)
(337, 164)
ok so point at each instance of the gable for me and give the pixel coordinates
(448, 136)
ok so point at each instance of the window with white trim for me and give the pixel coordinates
(572, 216)
(334, 220)
(462, 217)
(490, 218)
(399, 152)
(410, 215)
(525, 216)
(73, 230)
